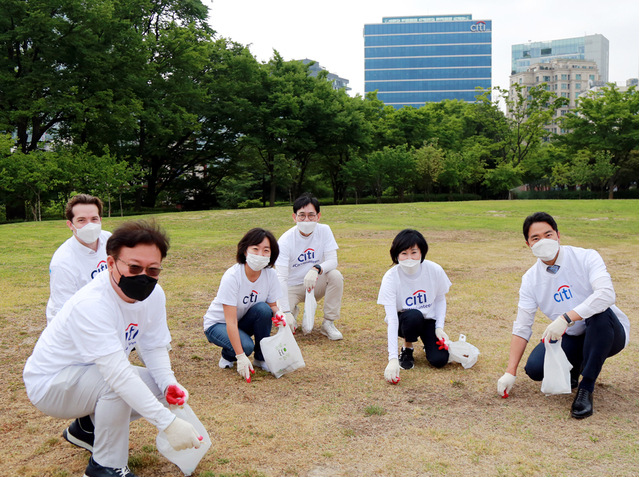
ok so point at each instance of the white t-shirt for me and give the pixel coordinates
(415, 292)
(95, 323)
(298, 253)
(236, 290)
(73, 265)
(568, 289)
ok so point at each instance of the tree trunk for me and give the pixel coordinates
(611, 188)
(271, 200)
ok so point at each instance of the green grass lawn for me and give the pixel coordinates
(337, 416)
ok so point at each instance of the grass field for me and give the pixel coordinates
(337, 416)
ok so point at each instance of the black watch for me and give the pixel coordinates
(319, 268)
(568, 320)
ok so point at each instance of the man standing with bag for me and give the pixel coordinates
(308, 262)
(572, 287)
(80, 370)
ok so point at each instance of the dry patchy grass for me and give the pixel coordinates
(337, 416)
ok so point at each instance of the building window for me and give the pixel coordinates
(554, 86)
(565, 85)
(526, 54)
(576, 95)
(564, 112)
(577, 85)
(546, 78)
(521, 80)
(578, 77)
(592, 77)
(565, 95)
(565, 77)
(536, 79)
(546, 51)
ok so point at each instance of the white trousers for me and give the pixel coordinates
(329, 286)
(80, 391)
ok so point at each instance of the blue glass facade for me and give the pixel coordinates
(414, 60)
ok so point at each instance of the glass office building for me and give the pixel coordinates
(590, 48)
(414, 60)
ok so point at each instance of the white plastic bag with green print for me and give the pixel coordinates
(281, 353)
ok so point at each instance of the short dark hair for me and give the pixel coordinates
(81, 199)
(255, 237)
(406, 239)
(303, 200)
(129, 234)
(538, 217)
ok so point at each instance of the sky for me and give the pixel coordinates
(331, 31)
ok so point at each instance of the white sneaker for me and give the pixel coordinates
(261, 364)
(224, 364)
(328, 329)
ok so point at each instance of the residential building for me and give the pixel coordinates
(414, 60)
(589, 47)
(566, 78)
(315, 68)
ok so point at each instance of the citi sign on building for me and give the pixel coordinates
(414, 60)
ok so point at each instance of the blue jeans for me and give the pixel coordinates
(604, 337)
(256, 321)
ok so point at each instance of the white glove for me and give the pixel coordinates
(310, 279)
(290, 321)
(182, 435)
(441, 335)
(555, 329)
(176, 395)
(278, 319)
(392, 371)
(505, 384)
(244, 367)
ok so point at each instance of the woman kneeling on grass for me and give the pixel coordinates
(246, 303)
(413, 294)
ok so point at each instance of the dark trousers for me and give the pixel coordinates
(412, 326)
(256, 322)
(604, 337)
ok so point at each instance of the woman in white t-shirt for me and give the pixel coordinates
(413, 294)
(246, 303)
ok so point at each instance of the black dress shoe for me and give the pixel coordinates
(582, 405)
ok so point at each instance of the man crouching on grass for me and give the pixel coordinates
(80, 368)
(572, 287)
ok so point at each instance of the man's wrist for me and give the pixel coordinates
(318, 267)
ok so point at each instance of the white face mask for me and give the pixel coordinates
(89, 233)
(545, 249)
(257, 262)
(306, 227)
(409, 265)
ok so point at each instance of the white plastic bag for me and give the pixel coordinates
(556, 370)
(310, 305)
(281, 353)
(462, 352)
(187, 459)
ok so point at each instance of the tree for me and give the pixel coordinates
(605, 121)
(429, 161)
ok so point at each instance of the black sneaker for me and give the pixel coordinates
(96, 470)
(80, 433)
(406, 360)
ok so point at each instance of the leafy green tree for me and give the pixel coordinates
(606, 121)
(429, 162)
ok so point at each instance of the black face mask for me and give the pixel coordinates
(137, 287)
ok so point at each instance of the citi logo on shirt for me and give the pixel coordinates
(563, 293)
(251, 298)
(131, 334)
(100, 268)
(418, 298)
(308, 254)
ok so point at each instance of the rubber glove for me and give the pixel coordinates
(244, 367)
(182, 435)
(290, 319)
(310, 279)
(505, 384)
(278, 319)
(443, 338)
(176, 395)
(555, 329)
(392, 371)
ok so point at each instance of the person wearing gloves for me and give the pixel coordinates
(78, 260)
(572, 287)
(246, 303)
(308, 262)
(413, 293)
(80, 368)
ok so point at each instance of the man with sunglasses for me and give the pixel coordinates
(80, 368)
(79, 259)
(308, 262)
